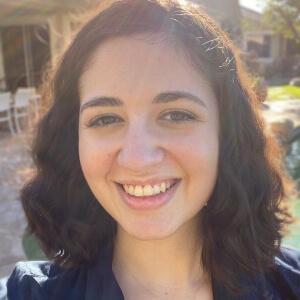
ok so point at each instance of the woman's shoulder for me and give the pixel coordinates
(289, 258)
(282, 283)
(287, 273)
(43, 280)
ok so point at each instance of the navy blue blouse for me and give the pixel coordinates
(41, 280)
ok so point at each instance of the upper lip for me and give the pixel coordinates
(152, 181)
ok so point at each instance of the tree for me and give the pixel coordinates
(284, 17)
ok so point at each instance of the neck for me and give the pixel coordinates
(173, 263)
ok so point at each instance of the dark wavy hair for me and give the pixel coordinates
(244, 218)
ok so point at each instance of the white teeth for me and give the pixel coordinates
(156, 189)
(147, 190)
(163, 187)
(138, 191)
(131, 189)
(125, 186)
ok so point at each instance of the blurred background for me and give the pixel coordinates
(33, 33)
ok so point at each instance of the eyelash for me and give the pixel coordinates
(186, 117)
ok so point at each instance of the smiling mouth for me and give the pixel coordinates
(148, 202)
(148, 190)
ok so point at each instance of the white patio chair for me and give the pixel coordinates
(25, 103)
(34, 97)
(5, 106)
(29, 90)
(21, 108)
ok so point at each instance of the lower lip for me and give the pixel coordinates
(148, 202)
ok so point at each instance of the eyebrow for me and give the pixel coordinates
(164, 97)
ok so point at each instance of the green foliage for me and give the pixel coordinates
(292, 161)
(252, 25)
(283, 92)
(284, 17)
(293, 238)
(32, 248)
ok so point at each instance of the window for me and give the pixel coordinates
(259, 44)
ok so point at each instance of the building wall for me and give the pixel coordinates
(2, 74)
(227, 14)
(277, 47)
(225, 9)
(60, 33)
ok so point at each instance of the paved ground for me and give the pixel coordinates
(16, 165)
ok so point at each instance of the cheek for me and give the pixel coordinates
(198, 155)
(95, 157)
(196, 151)
(200, 165)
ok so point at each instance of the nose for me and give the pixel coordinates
(140, 151)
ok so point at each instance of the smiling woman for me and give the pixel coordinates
(167, 112)
(155, 179)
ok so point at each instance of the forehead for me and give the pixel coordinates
(139, 65)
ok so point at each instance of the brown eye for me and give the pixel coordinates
(103, 121)
(178, 116)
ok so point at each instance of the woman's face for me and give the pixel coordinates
(147, 117)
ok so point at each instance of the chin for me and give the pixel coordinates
(149, 231)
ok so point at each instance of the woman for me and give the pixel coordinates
(155, 179)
